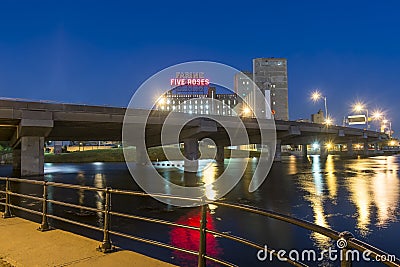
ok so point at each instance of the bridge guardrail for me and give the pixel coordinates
(106, 245)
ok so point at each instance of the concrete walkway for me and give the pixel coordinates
(22, 245)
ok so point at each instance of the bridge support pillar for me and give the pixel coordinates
(31, 158)
(304, 150)
(16, 156)
(220, 157)
(192, 154)
(366, 152)
(141, 155)
(323, 151)
(350, 152)
(278, 151)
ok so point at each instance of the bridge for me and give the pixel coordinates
(26, 125)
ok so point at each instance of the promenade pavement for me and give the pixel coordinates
(22, 245)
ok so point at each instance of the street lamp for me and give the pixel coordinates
(246, 112)
(317, 95)
(358, 107)
(328, 121)
(383, 126)
(377, 115)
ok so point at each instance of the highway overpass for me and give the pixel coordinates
(26, 125)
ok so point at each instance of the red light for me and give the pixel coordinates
(190, 239)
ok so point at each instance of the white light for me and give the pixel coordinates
(315, 145)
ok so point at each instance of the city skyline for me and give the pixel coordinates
(71, 53)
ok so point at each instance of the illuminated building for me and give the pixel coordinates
(198, 102)
(270, 75)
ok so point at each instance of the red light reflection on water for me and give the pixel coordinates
(190, 239)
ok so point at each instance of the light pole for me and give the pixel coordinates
(315, 96)
(378, 115)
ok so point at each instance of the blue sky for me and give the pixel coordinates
(99, 52)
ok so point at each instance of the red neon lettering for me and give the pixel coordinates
(193, 82)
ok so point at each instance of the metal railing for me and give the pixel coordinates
(203, 257)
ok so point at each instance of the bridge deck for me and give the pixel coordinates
(22, 245)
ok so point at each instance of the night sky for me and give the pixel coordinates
(99, 52)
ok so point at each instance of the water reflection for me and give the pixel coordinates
(210, 174)
(315, 188)
(99, 182)
(331, 180)
(190, 239)
(340, 194)
(375, 184)
(81, 192)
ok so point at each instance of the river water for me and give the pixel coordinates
(358, 195)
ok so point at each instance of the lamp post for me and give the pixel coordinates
(315, 96)
(378, 115)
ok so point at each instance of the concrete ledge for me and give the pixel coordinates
(22, 245)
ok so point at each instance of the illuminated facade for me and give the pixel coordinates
(199, 102)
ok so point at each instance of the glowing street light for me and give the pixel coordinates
(315, 145)
(329, 145)
(329, 121)
(246, 111)
(358, 107)
(377, 115)
(161, 100)
(316, 96)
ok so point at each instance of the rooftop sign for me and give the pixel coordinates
(189, 79)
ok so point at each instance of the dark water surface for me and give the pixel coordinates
(360, 195)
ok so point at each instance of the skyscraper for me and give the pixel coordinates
(270, 75)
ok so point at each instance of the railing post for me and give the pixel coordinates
(341, 243)
(106, 246)
(45, 225)
(7, 211)
(202, 247)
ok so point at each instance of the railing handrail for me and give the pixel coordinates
(106, 245)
